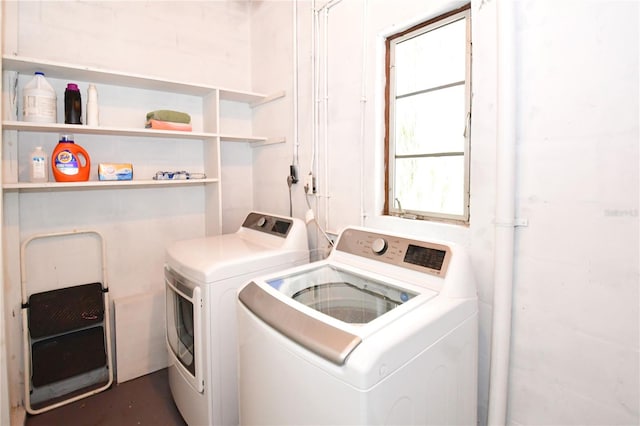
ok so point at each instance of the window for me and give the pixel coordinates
(428, 108)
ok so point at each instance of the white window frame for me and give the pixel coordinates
(391, 207)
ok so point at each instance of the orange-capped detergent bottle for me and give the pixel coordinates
(70, 162)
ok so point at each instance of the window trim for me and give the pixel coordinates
(389, 208)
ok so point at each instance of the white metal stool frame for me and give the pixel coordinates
(25, 323)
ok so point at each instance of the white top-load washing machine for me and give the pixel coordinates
(202, 277)
(384, 331)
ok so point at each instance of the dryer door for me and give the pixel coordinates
(184, 325)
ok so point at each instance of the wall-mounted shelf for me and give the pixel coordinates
(70, 72)
(268, 99)
(93, 130)
(223, 115)
(118, 131)
(93, 184)
(238, 138)
(270, 141)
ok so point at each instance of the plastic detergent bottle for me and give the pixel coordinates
(39, 101)
(70, 162)
(38, 171)
(72, 104)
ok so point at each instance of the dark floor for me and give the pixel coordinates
(142, 401)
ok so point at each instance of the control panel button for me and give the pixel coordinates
(262, 222)
(379, 246)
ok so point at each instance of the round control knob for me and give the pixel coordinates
(262, 222)
(379, 246)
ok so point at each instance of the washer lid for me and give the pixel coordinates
(220, 257)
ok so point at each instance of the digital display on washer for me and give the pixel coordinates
(281, 227)
(422, 256)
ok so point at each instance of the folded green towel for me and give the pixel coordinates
(168, 115)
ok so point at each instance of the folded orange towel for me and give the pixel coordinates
(167, 125)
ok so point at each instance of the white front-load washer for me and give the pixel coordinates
(382, 332)
(202, 277)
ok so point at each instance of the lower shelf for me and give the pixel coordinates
(28, 186)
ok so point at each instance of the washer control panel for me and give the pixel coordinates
(269, 224)
(418, 255)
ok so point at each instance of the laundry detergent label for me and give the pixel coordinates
(67, 163)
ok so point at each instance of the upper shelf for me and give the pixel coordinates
(61, 70)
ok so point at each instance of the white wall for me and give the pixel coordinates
(575, 314)
(183, 40)
(575, 346)
(271, 45)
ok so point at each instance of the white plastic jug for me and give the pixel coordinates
(92, 106)
(39, 101)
